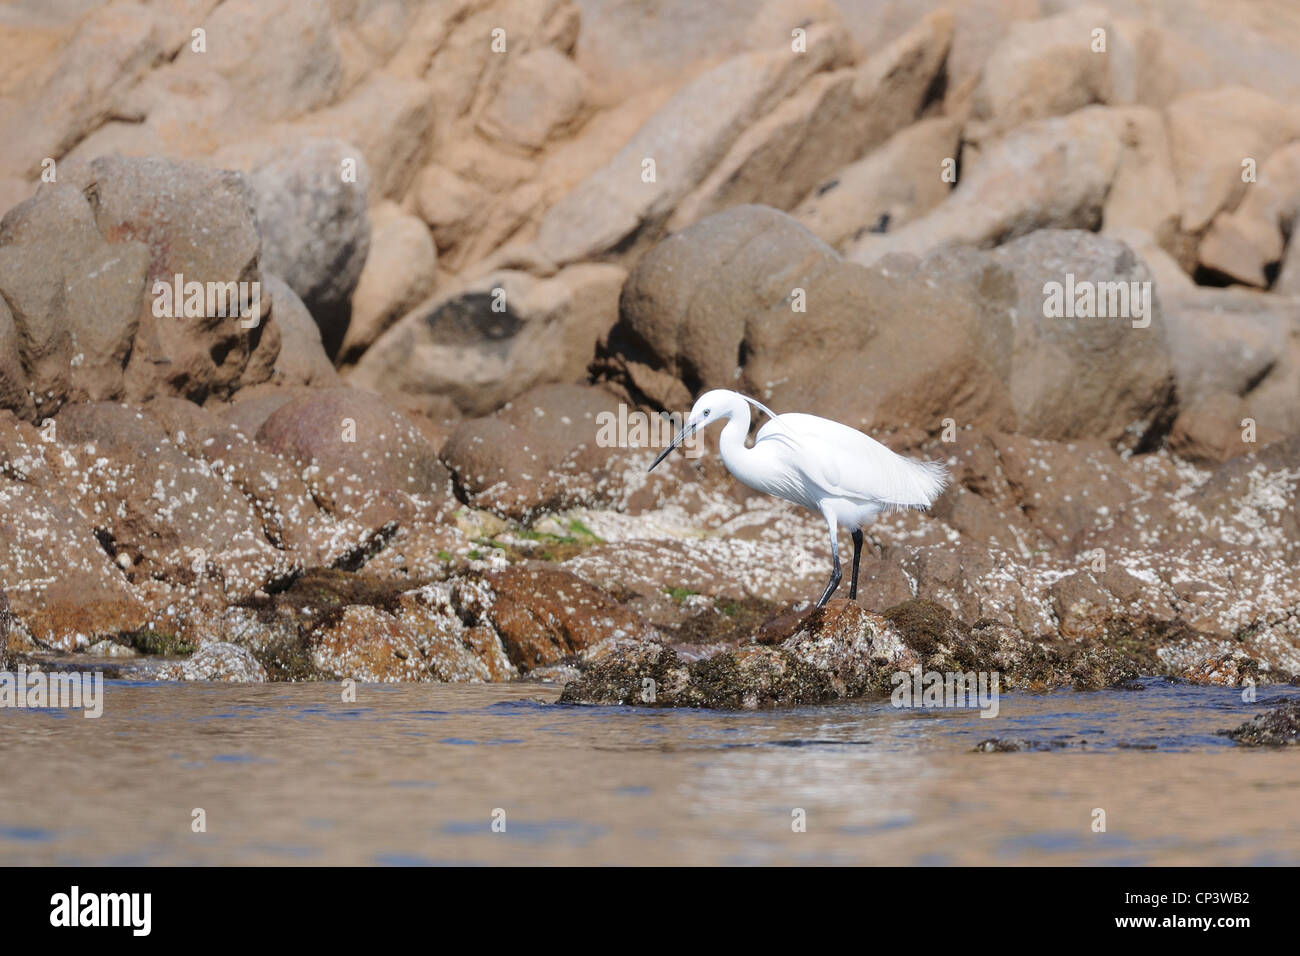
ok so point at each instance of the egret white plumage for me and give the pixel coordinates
(837, 471)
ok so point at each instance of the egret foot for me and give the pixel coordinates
(834, 582)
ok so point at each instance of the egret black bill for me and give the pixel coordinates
(677, 440)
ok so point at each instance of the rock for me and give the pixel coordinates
(1107, 376)
(1052, 173)
(832, 119)
(455, 651)
(685, 139)
(725, 288)
(887, 188)
(109, 51)
(66, 596)
(544, 615)
(197, 223)
(1226, 340)
(399, 274)
(314, 227)
(1171, 280)
(159, 513)
(301, 359)
(495, 337)
(539, 453)
(14, 393)
(539, 94)
(369, 646)
(1044, 68)
(288, 514)
(1288, 280)
(6, 622)
(1247, 243)
(838, 651)
(1224, 670)
(391, 122)
(626, 46)
(1273, 728)
(216, 662)
(76, 302)
(360, 457)
(1211, 134)
(1209, 429)
(449, 204)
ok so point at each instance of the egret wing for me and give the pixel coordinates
(845, 463)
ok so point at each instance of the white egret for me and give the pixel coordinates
(834, 470)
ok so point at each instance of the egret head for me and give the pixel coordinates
(712, 406)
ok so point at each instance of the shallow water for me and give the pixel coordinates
(288, 774)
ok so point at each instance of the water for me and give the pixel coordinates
(413, 774)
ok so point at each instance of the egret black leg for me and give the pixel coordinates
(836, 574)
(834, 582)
(857, 553)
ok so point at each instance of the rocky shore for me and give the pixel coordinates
(309, 339)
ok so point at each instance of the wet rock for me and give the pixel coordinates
(367, 645)
(1224, 670)
(839, 651)
(6, 622)
(1274, 728)
(215, 662)
(544, 615)
(1006, 745)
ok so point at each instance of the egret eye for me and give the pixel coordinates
(706, 413)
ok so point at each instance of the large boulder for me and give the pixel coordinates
(963, 335)
(89, 266)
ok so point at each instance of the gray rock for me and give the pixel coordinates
(315, 228)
